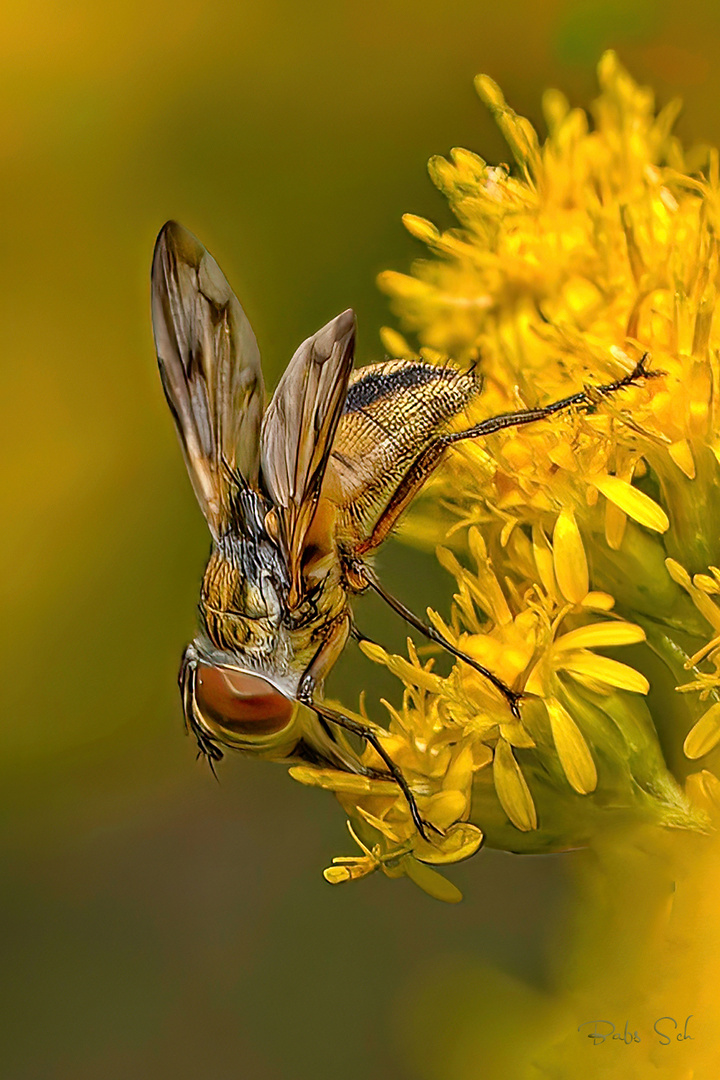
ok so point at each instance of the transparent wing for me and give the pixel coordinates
(210, 369)
(299, 427)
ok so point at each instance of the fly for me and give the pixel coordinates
(297, 496)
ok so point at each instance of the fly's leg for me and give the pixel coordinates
(332, 644)
(186, 682)
(360, 576)
(369, 735)
(311, 681)
(357, 635)
(426, 463)
(512, 697)
(584, 399)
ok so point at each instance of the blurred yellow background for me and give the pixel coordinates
(154, 923)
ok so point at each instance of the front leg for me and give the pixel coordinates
(512, 697)
(369, 735)
(312, 681)
(324, 659)
(186, 681)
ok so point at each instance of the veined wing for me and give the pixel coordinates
(210, 369)
(298, 431)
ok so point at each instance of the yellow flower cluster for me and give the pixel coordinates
(589, 531)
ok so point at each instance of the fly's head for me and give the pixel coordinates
(230, 705)
(236, 679)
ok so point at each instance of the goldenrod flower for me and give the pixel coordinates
(596, 530)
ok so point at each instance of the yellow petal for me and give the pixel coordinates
(562, 454)
(702, 787)
(459, 774)
(420, 228)
(379, 824)
(444, 808)
(431, 882)
(512, 789)
(374, 652)
(403, 285)
(605, 670)
(555, 108)
(517, 735)
(708, 584)
(459, 842)
(682, 455)
(535, 683)
(517, 454)
(394, 343)
(615, 525)
(507, 531)
(600, 635)
(705, 735)
(678, 573)
(415, 676)
(701, 600)
(488, 581)
(599, 601)
(707, 608)
(571, 568)
(404, 670)
(633, 502)
(543, 559)
(573, 751)
(482, 755)
(336, 875)
(489, 91)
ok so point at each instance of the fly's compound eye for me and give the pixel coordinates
(240, 703)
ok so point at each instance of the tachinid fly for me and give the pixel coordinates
(296, 496)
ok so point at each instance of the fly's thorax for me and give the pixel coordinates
(258, 591)
(245, 586)
(237, 616)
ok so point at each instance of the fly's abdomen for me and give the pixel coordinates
(393, 412)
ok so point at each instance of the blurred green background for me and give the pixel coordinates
(154, 923)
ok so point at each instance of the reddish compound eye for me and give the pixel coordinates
(242, 703)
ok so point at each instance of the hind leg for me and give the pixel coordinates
(360, 576)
